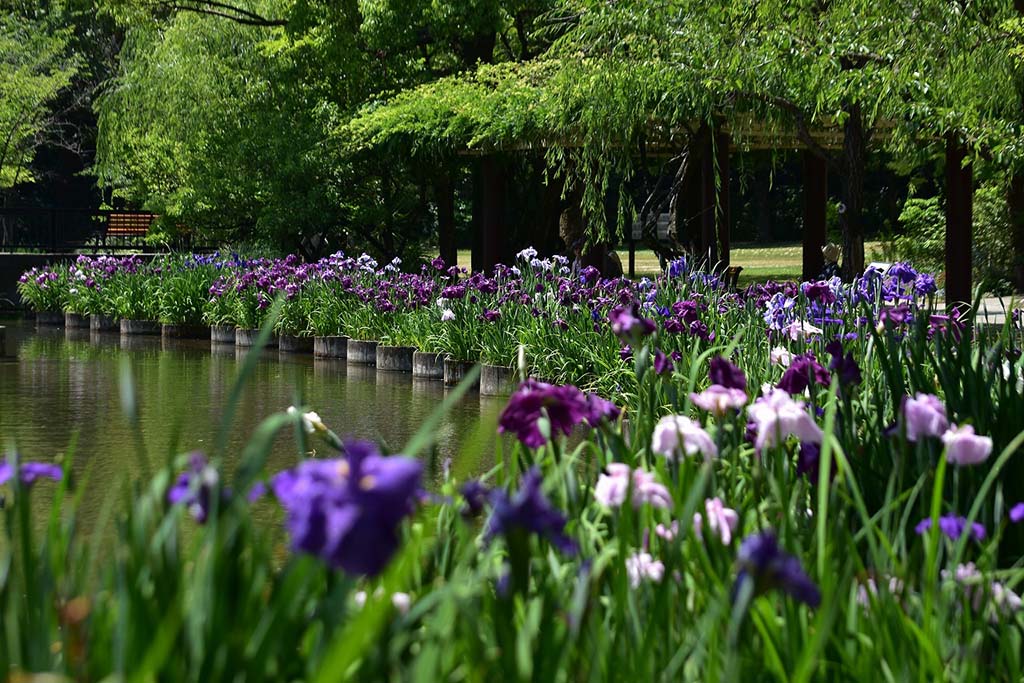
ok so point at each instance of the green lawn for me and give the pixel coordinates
(760, 263)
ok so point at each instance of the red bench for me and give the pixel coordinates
(127, 227)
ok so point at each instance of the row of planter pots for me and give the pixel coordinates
(493, 380)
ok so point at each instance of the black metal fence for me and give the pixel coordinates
(58, 230)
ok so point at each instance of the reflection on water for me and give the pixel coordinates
(61, 388)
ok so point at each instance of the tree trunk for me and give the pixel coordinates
(1015, 202)
(851, 220)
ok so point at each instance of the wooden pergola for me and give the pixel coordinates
(704, 189)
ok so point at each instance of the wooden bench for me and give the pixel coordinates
(127, 227)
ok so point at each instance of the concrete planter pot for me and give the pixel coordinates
(222, 334)
(361, 373)
(222, 348)
(140, 327)
(246, 338)
(76, 321)
(49, 318)
(456, 370)
(103, 323)
(428, 365)
(496, 380)
(185, 332)
(76, 334)
(290, 343)
(139, 342)
(395, 358)
(330, 347)
(104, 337)
(362, 352)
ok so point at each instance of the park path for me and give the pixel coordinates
(993, 309)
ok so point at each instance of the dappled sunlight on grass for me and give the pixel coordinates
(760, 263)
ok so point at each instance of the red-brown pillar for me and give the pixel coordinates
(815, 172)
(959, 220)
(445, 198)
(492, 210)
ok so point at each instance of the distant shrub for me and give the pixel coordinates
(923, 237)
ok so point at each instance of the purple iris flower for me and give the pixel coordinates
(197, 485)
(346, 511)
(762, 560)
(599, 409)
(589, 275)
(925, 284)
(528, 510)
(779, 311)
(627, 321)
(678, 267)
(662, 362)
(29, 472)
(626, 352)
(565, 407)
(819, 292)
(902, 272)
(490, 316)
(897, 315)
(476, 494)
(803, 370)
(953, 526)
(844, 366)
(1017, 513)
(723, 372)
(808, 460)
(940, 324)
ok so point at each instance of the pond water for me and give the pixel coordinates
(60, 388)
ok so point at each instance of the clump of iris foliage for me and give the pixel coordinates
(782, 500)
(558, 316)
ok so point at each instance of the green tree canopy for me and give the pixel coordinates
(35, 66)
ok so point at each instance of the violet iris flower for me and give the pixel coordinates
(528, 510)
(952, 526)
(925, 284)
(197, 485)
(819, 292)
(844, 366)
(1017, 513)
(565, 407)
(475, 493)
(802, 371)
(628, 322)
(724, 373)
(762, 561)
(662, 362)
(29, 472)
(346, 511)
